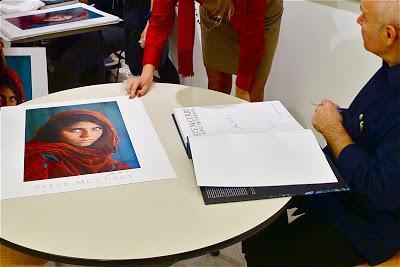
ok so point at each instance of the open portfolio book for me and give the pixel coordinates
(253, 151)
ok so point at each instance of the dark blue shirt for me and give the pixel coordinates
(369, 214)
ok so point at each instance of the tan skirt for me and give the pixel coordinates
(221, 44)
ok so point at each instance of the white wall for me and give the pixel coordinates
(320, 54)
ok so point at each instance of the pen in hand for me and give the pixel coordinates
(340, 110)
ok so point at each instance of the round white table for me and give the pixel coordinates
(151, 222)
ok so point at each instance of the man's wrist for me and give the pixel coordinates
(337, 139)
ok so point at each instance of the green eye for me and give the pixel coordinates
(97, 129)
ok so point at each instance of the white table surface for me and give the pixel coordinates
(142, 222)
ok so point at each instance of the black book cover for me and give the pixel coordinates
(215, 195)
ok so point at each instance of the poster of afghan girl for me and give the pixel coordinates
(11, 90)
(27, 69)
(76, 140)
(53, 18)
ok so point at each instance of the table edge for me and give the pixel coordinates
(162, 259)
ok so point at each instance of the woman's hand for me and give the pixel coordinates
(139, 86)
(142, 40)
(242, 94)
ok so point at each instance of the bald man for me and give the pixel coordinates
(362, 225)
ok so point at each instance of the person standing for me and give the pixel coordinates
(238, 37)
(136, 15)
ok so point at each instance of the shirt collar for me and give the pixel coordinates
(393, 75)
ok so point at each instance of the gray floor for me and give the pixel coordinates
(230, 256)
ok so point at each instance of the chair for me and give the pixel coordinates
(392, 262)
(110, 64)
(10, 257)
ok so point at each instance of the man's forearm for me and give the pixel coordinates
(337, 140)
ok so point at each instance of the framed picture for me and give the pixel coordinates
(58, 19)
(51, 18)
(75, 145)
(28, 67)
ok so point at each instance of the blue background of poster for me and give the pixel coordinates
(22, 66)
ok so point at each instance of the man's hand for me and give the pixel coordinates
(139, 86)
(242, 94)
(328, 121)
(326, 117)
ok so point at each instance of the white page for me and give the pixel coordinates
(238, 118)
(259, 159)
(154, 163)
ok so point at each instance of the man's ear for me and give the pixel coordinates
(391, 34)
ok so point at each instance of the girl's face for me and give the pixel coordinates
(81, 134)
(7, 97)
(58, 18)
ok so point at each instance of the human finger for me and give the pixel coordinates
(133, 87)
(144, 88)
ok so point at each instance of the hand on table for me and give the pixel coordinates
(140, 85)
(242, 94)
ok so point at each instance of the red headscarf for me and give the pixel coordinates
(45, 159)
(17, 83)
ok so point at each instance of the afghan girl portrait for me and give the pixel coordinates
(11, 90)
(71, 143)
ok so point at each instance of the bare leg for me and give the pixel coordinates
(219, 81)
(257, 90)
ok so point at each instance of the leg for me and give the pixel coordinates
(307, 241)
(134, 15)
(167, 70)
(219, 81)
(81, 55)
(272, 24)
(257, 90)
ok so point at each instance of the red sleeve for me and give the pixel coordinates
(160, 26)
(251, 38)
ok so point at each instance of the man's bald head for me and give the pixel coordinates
(380, 29)
(388, 12)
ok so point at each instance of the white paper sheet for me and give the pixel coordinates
(15, 33)
(154, 163)
(259, 159)
(239, 118)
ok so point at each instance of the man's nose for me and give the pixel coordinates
(359, 20)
